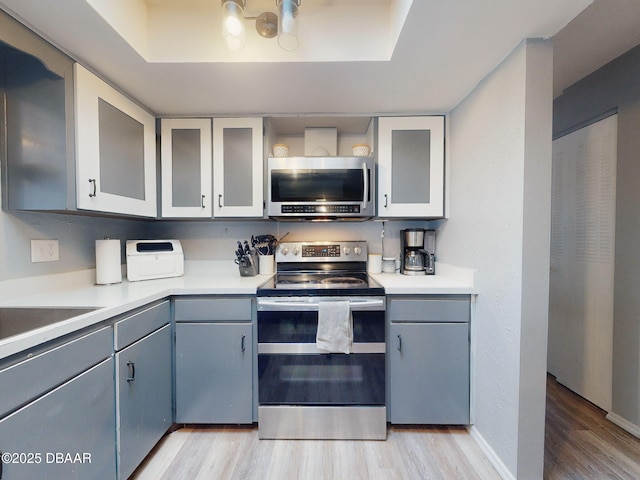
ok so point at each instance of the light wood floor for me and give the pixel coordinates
(580, 444)
(237, 453)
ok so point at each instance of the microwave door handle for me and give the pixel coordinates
(365, 177)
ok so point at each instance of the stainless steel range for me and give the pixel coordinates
(321, 345)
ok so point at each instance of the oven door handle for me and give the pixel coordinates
(266, 305)
(312, 349)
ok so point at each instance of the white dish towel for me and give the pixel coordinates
(335, 327)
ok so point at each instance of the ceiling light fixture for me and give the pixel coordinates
(268, 25)
(288, 25)
(233, 24)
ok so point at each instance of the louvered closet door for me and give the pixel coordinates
(582, 260)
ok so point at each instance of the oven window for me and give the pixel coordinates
(344, 185)
(301, 327)
(322, 379)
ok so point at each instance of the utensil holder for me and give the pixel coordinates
(252, 269)
(265, 264)
(248, 271)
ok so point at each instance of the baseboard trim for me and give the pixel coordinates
(500, 467)
(632, 428)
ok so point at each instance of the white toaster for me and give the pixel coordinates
(148, 259)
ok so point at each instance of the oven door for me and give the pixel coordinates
(321, 379)
(292, 371)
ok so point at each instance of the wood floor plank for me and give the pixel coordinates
(580, 444)
(237, 453)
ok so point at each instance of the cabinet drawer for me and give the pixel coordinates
(429, 309)
(136, 326)
(27, 380)
(213, 309)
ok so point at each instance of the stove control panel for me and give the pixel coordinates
(322, 251)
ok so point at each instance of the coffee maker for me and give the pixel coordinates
(417, 250)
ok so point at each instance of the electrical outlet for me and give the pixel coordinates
(44, 251)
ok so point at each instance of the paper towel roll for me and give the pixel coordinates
(108, 262)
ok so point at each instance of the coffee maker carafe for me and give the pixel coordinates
(417, 251)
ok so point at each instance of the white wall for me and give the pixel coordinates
(217, 240)
(499, 178)
(76, 235)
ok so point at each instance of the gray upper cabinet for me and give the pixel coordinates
(115, 150)
(411, 167)
(238, 163)
(36, 81)
(186, 158)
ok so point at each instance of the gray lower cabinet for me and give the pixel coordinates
(68, 433)
(214, 359)
(143, 386)
(428, 351)
(143, 379)
(214, 373)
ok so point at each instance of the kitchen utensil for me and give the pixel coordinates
(283, 237)
(264, 244)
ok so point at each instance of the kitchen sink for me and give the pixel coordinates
(16, 320)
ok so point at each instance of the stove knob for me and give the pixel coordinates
(285, 251)
(357, 250)
(296, 251)
(347, 250)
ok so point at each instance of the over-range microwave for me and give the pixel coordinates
(318, 188)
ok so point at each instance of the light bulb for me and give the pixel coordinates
(233, 26)
(288, 31)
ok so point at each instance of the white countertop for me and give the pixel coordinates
(448, 280)
(78, 289)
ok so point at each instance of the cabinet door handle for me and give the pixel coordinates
(203, 201)
(399, 343)
(242, 346)
(93, 181)
(386, 200)
(220, 200)
(132, 371)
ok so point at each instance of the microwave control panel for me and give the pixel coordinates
(310, 208)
